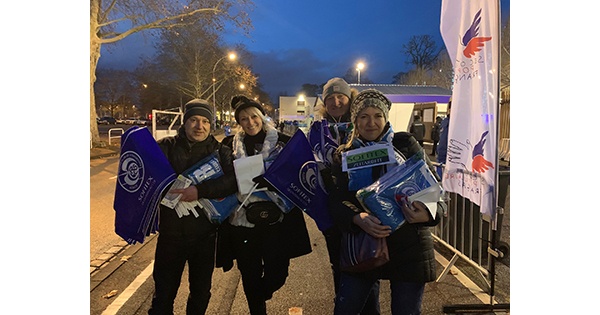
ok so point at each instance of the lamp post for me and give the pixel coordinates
(231, 56)
(359, 67)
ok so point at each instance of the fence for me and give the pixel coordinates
(470, 235)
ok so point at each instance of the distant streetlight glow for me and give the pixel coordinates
(231, 56)
(359, 66)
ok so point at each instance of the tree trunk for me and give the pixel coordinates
(94, 56)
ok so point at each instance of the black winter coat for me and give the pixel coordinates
(411, 246)
(296, 238)
(182, 154)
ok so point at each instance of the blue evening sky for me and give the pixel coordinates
(310, 41)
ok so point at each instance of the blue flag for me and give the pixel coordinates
(384, 197)
(295, 174)
(144, 173)
(218, 209)
(321, 141)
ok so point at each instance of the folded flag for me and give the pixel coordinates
(322, 142)
(384, 197)
(217, 209)
(144, 173)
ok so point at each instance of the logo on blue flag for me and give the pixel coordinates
(295, 174)
(132, 171)
(143, 174)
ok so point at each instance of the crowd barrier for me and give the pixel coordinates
(468, 233)
(118, 136)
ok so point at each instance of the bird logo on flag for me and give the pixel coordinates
(471, 40)
(478, 161)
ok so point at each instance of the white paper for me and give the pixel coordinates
(429, 196)
(171, 199)
(246, 169)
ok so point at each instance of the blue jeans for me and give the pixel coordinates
(357, 291)
(406, 297)
(355, 288)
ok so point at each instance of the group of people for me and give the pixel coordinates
(263, 250)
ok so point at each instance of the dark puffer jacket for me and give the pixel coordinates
(411, 246)
(182, 154)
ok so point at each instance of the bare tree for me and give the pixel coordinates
(421, 51)
(441, 73)
(138, 15)
(114, 91)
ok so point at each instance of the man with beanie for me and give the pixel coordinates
(188, 238)
(337, 96)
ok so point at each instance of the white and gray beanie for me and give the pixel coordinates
(370, 97)
(336, 85)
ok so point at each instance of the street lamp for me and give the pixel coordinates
(231, 56)
(359, 67)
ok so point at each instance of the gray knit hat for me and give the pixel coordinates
(370, 97)
(335, 85)
(200, 107)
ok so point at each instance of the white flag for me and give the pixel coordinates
(470, 32)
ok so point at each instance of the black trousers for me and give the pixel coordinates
(171, 255)
(333, 240)
(262, 264)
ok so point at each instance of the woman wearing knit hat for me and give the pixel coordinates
(412, 261)
(262, 249)
(337, 96)
(188, 238)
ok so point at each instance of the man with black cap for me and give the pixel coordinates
(190, 239)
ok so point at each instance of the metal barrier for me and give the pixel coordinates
(170, 131)
(468, 233)
(110, 131)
